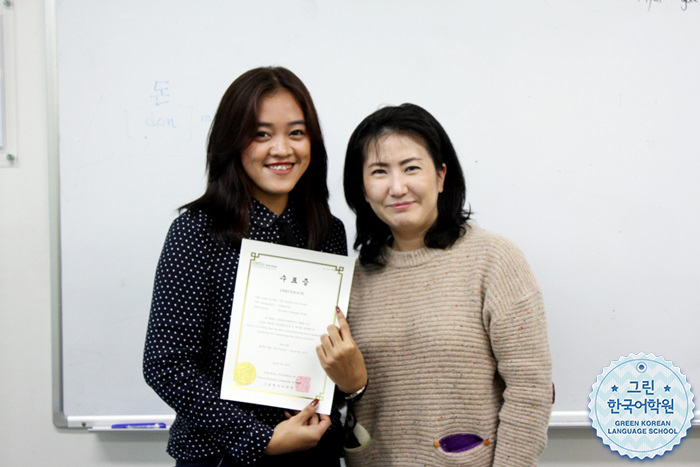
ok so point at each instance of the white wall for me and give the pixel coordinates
(27, 435)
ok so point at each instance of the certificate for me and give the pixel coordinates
(284, 300)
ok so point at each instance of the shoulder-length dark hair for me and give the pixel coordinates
(228, 197)
(411, 120)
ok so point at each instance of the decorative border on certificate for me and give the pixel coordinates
(285, 301)
(247, 367)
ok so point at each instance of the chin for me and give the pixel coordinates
(281, 188)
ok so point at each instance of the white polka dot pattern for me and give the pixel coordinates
(187, 332)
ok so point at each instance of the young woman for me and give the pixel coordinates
(267, 169)
(448, 316)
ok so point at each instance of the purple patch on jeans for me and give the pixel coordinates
(460, 442)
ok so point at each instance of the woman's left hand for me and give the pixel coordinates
(341, 358)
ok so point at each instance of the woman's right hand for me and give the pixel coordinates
(341, 358)
(299, 432)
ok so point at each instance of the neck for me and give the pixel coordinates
(276, 204)
(408, 242)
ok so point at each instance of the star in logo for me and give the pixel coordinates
(667, 388)
(614, 388)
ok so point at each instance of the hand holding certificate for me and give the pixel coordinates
(341, 358)
(285, 300)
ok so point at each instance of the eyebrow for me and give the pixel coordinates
(384, 164)
(293, 123)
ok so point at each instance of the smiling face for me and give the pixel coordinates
(401, 186)
(280, 152)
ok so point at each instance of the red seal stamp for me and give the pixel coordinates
(302, 383)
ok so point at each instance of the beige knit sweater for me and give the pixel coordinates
(455, 342)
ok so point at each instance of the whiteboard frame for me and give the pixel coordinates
(60, 418)
(8, 88)
(559, 419)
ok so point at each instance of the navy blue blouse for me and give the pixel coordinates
(187, 334)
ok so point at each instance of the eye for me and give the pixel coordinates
(298, 134)
(261, 135)
(412, 168)
(378, 172)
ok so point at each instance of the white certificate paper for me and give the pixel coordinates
(284, 300)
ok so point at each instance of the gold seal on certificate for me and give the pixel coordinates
(285, 299)
(244, 373)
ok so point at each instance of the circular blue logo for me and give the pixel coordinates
(641, 406)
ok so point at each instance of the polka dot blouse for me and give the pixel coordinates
(187, 333)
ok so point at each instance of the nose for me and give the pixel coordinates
(280, 147)
(397, 186)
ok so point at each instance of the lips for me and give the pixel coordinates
(280, 167)
(402, 205)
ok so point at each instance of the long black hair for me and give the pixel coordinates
(411, 120)
(228, 199)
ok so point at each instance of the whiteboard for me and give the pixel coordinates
(576, 123)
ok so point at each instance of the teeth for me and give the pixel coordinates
(280, 166)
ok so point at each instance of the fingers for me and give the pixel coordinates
(328, 348)
(308, 412)
(319, 422)
(337, 335)
(333, 335)
(314, 420)
(299, 432)
(322, 356)
(326, 341)
(343, 325)
(327, 352)
(325, 423)
(340, 316)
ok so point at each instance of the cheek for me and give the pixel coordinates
(247, 161)
(370, 191)
(304, 153)
(364, 187)
(432, 187)
(251, 154)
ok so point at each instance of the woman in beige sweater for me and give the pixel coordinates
(449, 317)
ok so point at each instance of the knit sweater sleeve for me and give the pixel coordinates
(518, 333)
(175, 339)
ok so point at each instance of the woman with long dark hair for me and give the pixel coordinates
(267, 169)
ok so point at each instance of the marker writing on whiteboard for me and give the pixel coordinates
(684, 4)
(138, 426)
